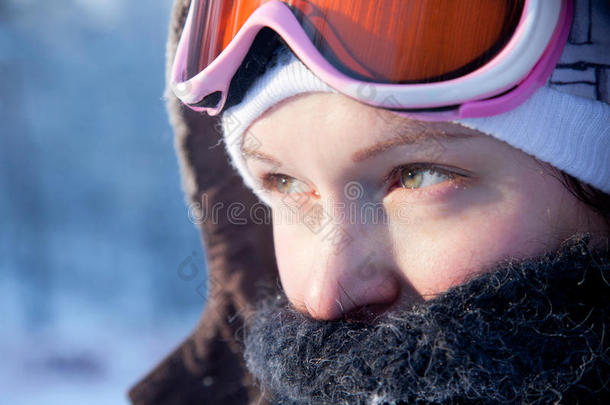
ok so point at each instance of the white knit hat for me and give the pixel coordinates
(566, 123)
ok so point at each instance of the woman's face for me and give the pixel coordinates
(371, 209)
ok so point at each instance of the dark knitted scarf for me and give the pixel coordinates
(528, 331)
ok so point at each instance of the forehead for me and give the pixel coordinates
(328, 123)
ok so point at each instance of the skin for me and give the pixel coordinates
(423, 237)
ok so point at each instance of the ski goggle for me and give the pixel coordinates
(432, 59)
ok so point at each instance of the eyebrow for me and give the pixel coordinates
(256, 155)
(373, 150)
(407, 139)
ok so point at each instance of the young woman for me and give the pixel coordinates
(438, 182)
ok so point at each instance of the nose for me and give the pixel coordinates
(353, 281)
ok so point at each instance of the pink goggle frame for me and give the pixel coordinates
(506, 81)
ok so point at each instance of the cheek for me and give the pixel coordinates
(441, 247)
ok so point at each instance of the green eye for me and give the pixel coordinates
(277, 182)
(419, 177)
(411, 178)
(283, 184)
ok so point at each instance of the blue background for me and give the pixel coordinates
(93, 223)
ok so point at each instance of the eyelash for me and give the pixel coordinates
(269, 180)
(456, 176)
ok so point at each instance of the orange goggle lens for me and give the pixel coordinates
(385, 41)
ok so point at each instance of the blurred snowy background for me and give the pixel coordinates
(93, 225)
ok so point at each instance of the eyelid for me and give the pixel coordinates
(450, 171)
(442, 169)
(267, 179)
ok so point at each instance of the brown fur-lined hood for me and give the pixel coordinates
(208, 367)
